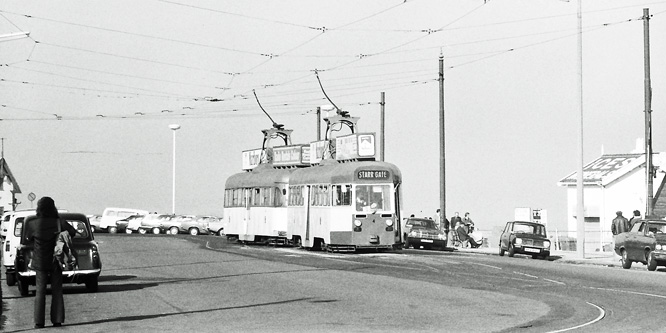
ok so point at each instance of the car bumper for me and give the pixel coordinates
(660, 255)
(415, 241)
(532, 250)
(70, 274)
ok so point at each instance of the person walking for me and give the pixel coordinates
(635, 218)
(620, 224)
(43, 232)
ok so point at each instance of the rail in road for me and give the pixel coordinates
(204, 283)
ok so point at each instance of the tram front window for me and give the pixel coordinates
(373, 198)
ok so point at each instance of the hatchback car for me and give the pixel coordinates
(85, 249)
(423, 232)
(194, 225)
(156, 223)
(525, 238)
(644, 243)
(216, 226)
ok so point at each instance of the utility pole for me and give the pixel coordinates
(382, 127)
(442, 140)
(648, 115)
(580, 189)
(319, 123)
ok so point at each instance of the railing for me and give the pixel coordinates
(561, 240)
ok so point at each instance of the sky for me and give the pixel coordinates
(87, 99)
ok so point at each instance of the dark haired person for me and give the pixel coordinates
(635, 218)
(43, 232)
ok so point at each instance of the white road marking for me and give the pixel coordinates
(553, 281)
(484, 265)
(629, 292)
(523, 274)
(602, 314)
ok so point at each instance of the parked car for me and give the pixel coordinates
(423, 232)
(123, 223)
(195, 225)
(216, 225)
(95, 221)
(525, 238)
(644, 243)
(113, 214)
(88, 262)
(153, 223)
(171, 224)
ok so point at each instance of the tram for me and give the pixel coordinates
(345, 206)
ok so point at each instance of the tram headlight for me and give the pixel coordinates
(358, 223)
(389, 223)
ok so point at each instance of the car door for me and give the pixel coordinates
(504, 238)
(632, 246)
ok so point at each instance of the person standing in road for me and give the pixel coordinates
(634, 219)
(620, 224)
(43, 232)
(455, 220)
(437, 217)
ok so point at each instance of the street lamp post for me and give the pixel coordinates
(174, 128)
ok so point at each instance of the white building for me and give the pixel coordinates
(8, 187)
(613, 182)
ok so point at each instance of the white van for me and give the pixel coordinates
(113, 214)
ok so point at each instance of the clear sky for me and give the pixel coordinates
(86, 100)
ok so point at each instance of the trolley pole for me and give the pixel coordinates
(580, 189)
(442, 140)
(382, 103)
(649, 201)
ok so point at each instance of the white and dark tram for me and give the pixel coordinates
(345, 206)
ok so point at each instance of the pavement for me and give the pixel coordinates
(609, 259)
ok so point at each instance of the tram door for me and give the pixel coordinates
(307, 215)
(246, 219)
(398, 218)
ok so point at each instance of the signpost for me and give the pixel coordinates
(31, 197)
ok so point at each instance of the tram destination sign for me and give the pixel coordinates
(373, 174)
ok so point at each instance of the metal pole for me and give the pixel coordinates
(382, 126)
(580, 205)
(319, 123)
(648, 115)
(173, 187)
(442, 140)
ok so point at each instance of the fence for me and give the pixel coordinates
(561, 240)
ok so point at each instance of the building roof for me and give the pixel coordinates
(5, 172)
(606, 169)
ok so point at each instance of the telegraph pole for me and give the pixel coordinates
(442, 137)
(580, 189)
(648, 114)
(319, 123)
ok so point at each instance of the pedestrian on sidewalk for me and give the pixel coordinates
(455, 221)
(635, 218)
(620, 224)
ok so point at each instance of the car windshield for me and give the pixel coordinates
(525, 228)
(429, 224)
(657, 227)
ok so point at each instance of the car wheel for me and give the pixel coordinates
(11, 279)
(535, 256)
(112, 230)
(407, 245)
(194, 231)
(173, 230)
(128, 231)
(512, 251)
(92, 284)
(220, 232)
(143, 231)
(156, 231)
(626, 263)
(23, 287)
(651, 263)
(501, 250)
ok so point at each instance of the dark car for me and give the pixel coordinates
(644, 243)
(423, 232)
(524, 238)
(84, 247)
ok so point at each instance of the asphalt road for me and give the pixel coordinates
(205, 284)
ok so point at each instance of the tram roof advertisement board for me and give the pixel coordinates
(355, 146)
(317, 149)
(291, 155)
(251, 158)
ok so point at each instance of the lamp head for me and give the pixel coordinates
(174, 126)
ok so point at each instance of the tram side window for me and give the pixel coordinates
(279, 197)
(373, 197)
(341, 195)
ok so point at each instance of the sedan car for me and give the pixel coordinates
(423, 232)
(155, 223)
(85, 249)
(130, 224)
(195, 225)
(644, 243)
(524, 238)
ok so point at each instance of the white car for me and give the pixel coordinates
(216, 226)
(113, 214)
